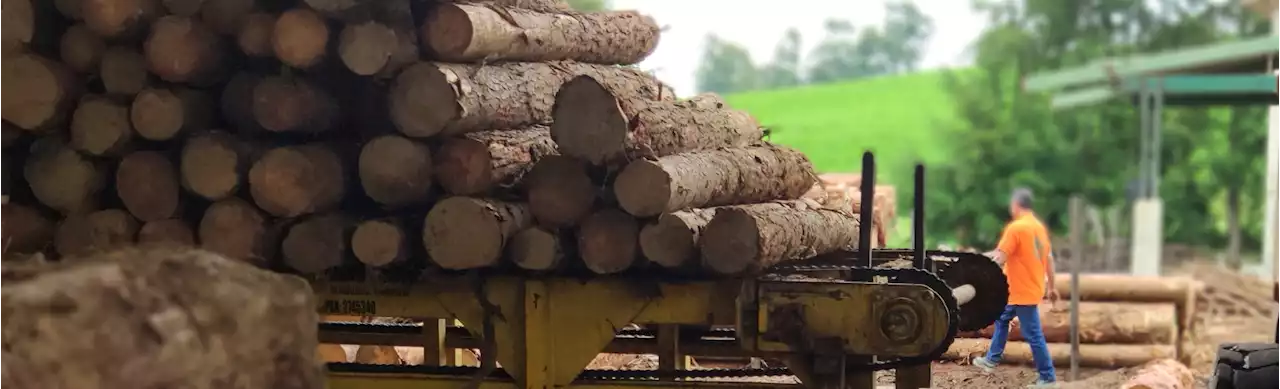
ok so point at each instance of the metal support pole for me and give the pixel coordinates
(1157, 116)
(864, 209)
(917, 223)
(1076, 216)
(1144, 142)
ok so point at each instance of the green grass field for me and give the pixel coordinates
(902, 119)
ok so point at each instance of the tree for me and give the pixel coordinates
(906, 32)
(846, 52)
(725, 67)
(589, 5)
(784, 70)
(835, 58)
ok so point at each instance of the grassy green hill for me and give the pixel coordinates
(903, 119)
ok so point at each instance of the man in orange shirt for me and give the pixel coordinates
(1027, 258)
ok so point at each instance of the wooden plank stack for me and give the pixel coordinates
(317, 135)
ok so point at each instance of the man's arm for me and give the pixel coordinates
(1009, 240)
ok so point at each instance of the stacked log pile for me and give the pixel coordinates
(317, 136)
(1123, 321)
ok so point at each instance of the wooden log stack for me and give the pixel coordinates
(319, 136)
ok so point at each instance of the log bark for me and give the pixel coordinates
(161, 114)
(286, 104)
(748, 238)
(1162, 374)
(549, 6)
(147, 184)
(1118, 287)
(181, 49)
(380, 242)
(593, 123)
(471, 33)
(104, 230)
(215, 164)
(1117, 323)
(396, 171)
(560, 191)
(226, 16)
(301, 38)
(146, 318)
(494, 96)
(608, 241)
(101, 127)
(713, 178)
(317, 243)
(119, 18)
(81, 50)
(254, 36)
(238, 230)
(18, 27)
(26, 230)
(1107, 356)
(382, 43)
(170, 232)
(297, 180)
(536, 248)
(123, 71)
(672, 240)
(481, 162)
(466, 233)
(63, 179)
(39, 93)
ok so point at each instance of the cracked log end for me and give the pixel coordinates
(588, 121)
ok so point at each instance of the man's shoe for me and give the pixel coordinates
(984, 364)
(1042, 384)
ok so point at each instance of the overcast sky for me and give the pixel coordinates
(759, 24)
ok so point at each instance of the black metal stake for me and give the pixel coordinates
(917, 223)
(864, 209)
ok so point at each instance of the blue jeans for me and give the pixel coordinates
(1029, 317)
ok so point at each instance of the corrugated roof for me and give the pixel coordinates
(1256, 55)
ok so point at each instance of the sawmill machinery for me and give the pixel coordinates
(832, 320)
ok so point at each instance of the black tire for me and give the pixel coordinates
(1246, 366)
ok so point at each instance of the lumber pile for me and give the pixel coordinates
(333, 137)
(844, 191)
(147, 318)
(1124, 321)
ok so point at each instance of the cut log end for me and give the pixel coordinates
(227, 16)
(95, 232)
(101, 127)
(731, 242)
(254, 37)
(25, 230)
(448, 31)
(421, 101)
(123, 71)
(19, 24)
(213, 165)
(536, 249)
(480, 162)
(147, 184)
(118, 18)
(643, 188)
(588, 119)
(300, 37)
(161, 114)
(167, 232)
(366, 47)
(181, 49)
(464, 166)
(38, 93)
(560, 191)
(672, 240)
(63, 179)
(464, 233)
(316, 244)
(395, 170)
(297, 180)
(81, 49)
(608, 241)
(378, 243)
(237, 229)
(283, 104)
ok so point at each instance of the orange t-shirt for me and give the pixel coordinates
(1025, 244)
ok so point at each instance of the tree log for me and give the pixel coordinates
(380, 242)
(1107, 356)
(214, 164)
(181, 49)
(147, 318)
(26, 230)
(536, 248)
(301, 38)
(81, 50)
(317, 243)
(493, 96)
(123, 71)
(377, 355)
(119, 18)
(548, 6)
(748, 238)
(39, 93)
(381, 44)
(99, 231)
(396, 171)
(237, 105)
(101, 127)
(560, 191)
(19, 25)
(1128, 323)
(1126, 288)
(712, 178)
(466, 233)
(172, 232)
(297, 180)
(282, 104)
(63, 179)
(183, 7)
(479, 162)
(162, 114)
(226, 16)
(672, 239)
(236, 229)
(71, 9)
(254, 37)
(471, 33)
(608, 241)
(590, 124)
(1162, 374)
(147, 184)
